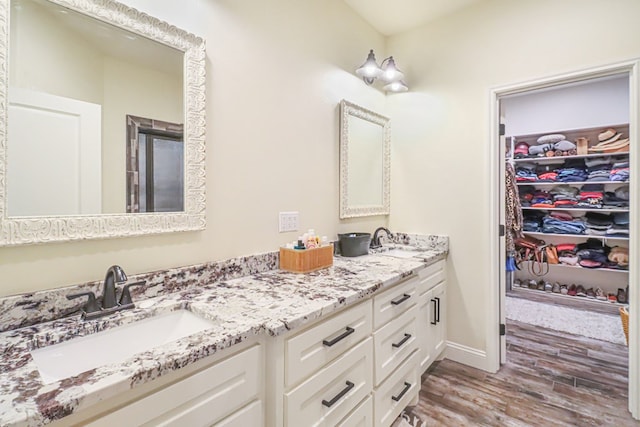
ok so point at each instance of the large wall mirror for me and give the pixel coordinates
(101, 123)
(365, 162)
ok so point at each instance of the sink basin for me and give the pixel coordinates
(69, 358)
(401, 253)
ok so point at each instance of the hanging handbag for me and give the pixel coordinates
(533, 250)
(551, 254)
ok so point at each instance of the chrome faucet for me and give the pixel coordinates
(375, 240)
(115, 276)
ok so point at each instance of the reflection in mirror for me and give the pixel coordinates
(69, 71)
(76, 69)
(155, 165)
(364, 162)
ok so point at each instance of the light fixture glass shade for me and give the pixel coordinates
(397, 86)
(391, 73)
(370, 70)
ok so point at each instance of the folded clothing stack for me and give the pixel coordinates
(598, 223)
(591, 196)
(619, 198)
(620, 226)
(574, 170)
(619, 171)
(564, 196)
(567, 254)
(532, 221)
(593, 254)
(526, 172)
(598, 169)
(541, 199)
(562, 223)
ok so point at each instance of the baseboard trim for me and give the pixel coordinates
(467, 356)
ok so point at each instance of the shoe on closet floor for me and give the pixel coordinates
(563, 289)
(622, 296)
(516, 283)
(540, 286)
(612, 298)
(532, 284)
(600, 294)
(556, 288)
(548, 287)
(572, 290)
(581, 291)
(590, 293)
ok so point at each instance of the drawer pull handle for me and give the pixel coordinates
(402, 341)
(438, 310)
(342, 336)
(400, 300)
(435, 315)
(338, 396)
(404, 391)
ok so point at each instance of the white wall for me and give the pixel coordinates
(599, 102)
(441, 127)
(276, 72)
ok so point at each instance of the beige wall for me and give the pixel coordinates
(276, 72)
(441, 127)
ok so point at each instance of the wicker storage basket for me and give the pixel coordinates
(624, 317)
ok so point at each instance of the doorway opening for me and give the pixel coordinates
(559, 138)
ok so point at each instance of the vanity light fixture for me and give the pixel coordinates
(386, 71)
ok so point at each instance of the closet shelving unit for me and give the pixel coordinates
(606, 278)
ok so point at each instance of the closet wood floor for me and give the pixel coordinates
(550, 379)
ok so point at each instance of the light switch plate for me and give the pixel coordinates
(288, 222)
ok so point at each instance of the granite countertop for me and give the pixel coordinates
(271, 302)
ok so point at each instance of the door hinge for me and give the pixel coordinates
(501, 129)
(503, 329)
(501, 230)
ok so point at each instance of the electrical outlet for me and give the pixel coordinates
(288, 222)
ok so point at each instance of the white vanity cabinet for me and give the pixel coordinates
(228, 392)
(396, 346)
(431, 313)
(328, 371)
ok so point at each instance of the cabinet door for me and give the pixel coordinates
(439, 330)
(250, 415)
(425, 320)
(199, 400)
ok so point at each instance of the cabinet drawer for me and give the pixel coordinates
(431, 276)
(199, 400)
(394, 342)
(362, 416)
(250, 415)
(333, 392)
(396, 393)
(394, 301)
(311, 350)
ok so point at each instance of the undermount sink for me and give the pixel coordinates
(64, 360)
(401, 253)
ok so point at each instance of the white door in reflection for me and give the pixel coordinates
(161, 169)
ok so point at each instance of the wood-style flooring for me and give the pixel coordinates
(550, 379)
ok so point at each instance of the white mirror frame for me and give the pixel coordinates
(30, 230)
(346, 209)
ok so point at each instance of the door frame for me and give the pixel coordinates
(497, 158)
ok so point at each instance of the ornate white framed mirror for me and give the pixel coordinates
(365, 162)
(72, 72)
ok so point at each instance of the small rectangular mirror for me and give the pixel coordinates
(365, 162)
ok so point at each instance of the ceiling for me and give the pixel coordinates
(401, 15)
